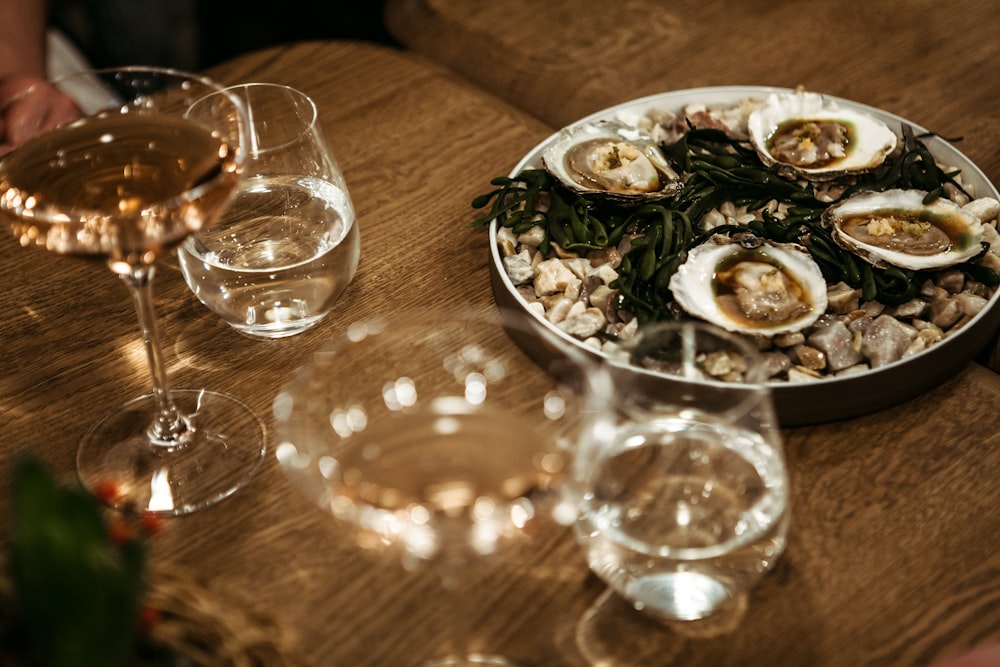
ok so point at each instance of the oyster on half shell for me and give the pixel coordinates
(763, 289)
(897, 228)
(611, 160)
(811, 137)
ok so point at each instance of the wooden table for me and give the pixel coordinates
(894, 554)
(564, 59)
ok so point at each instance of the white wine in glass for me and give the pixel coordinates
(125, 183)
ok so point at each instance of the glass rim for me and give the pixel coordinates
(95, 75)
(309, 125)
(752, 391)
(734, 340)
(297, 407)
(501, 319)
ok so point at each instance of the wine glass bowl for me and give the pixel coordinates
(431, 436)
(125, 182)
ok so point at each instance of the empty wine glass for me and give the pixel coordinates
(124, 183)
(432, 436)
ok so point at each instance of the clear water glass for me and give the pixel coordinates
(288, 245)
(683, 489)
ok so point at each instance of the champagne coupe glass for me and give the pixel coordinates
(433, 437)
(125, 183)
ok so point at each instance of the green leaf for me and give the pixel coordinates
(76, 594)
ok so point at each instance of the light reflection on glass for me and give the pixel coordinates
(419, 515)
(421, 541)
(340, 423)
(446, 425)
(357, 417)
(472, 354)
(554, 405)
(161, 498)
(483, 509)
(683, 514)
(399, 394)
(522, 512)
(348, 421)
(328, 467)
(289, 455)
(494, 371)
(475, 388)
(134, 352)
(551, 463)
(484, 537)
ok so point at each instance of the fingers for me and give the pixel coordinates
(40, 107)
(984, 656)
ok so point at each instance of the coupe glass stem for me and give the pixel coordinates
(459, 576)
(169, 427)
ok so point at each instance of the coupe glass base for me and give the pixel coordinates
(472, 660)
(118, 461)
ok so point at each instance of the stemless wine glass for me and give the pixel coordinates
(432, 436)
(684, 491)
(288, 245)
(126, 182)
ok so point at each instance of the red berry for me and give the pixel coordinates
(151, 524)
(148, 617)
(107, 491)
(119, 532)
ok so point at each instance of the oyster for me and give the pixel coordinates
(811, 137)
(897, 228)
(763, 289)
(611, 160)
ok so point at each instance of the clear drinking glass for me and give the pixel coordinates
(684, 499)
(124, 183)
(433, 437)
(288, 245)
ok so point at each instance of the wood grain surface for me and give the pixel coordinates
(564, 59)
(894, 554)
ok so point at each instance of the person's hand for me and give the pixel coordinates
(24, 116)
(987, 655)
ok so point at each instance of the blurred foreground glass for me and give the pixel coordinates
(125, 184)
(434, 438)
(288, 245)
(683, 489)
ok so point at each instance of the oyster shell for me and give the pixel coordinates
(611, 160)
(897, 228)
(811, 137)
(763, 290)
